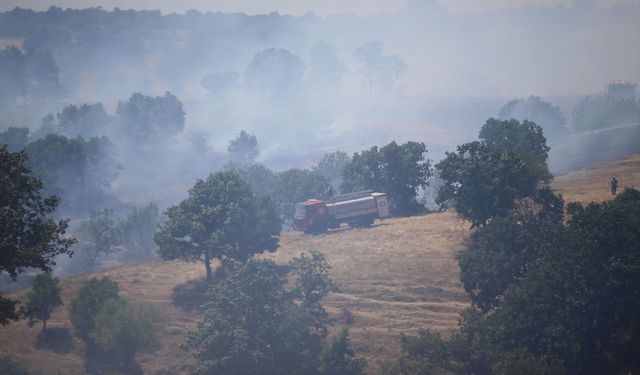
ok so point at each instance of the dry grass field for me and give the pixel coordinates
(592, 184)
(396, 277)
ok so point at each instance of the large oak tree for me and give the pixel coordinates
(220, 219)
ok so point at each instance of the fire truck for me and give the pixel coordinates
(357, 209)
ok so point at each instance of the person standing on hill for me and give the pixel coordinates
(614, 185)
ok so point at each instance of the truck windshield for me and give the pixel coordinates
(300, 209)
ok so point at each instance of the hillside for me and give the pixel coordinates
(396, 277)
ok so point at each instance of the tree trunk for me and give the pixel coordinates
(44, 325)
(207, 266)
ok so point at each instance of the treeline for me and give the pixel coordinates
(554, 289)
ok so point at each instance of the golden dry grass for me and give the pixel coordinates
(396, 277)
(592, 184)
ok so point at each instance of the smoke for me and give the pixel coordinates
(311, 85)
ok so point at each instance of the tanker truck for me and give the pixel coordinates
(357, 209)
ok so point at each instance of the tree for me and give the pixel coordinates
(398, 170)
(76, 169)
(482, 181)
(30, 237)
(98, 236)
(526, 139)
(33, 72)
(331, 166)
(534, 109)
(379, 70)
(596, 112)
(113, 330)
(43, 298)
(87, 120)
(326, 69)
(122, 330)
(220, 219)
(254, 324)
(296, 185)
(136, 231)
(93, 294)
(15, 138)
(274, 73)
(144, 117)
(567, 303)
(338, 358)
(244, 148)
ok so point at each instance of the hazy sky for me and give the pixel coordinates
(294, 7)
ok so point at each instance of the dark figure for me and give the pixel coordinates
(614, 185)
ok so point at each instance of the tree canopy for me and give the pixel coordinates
(87, 120)
(536, 110)
(78, 170)
(30, 237)
(113, 329)
(596, 112)
(274, 73)
(492, 177)
(244, 147)
(549, 296)
(379, 70)
(253, 323)
(144, 117)
(43, 298)
(398, 170)
(220, 219)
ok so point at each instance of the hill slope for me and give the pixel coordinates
(396, 277)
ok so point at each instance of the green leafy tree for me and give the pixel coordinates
(526, 139)
(30, 237)
(33, 73)
(566, 305)
(482, 181)
(93, 294)
(43, 298)
(500, 254)
(536, 110)
(338, 358)
(596, 112)
(15, 138)
(274, 72)
(261, 179)
(87, 120)
(244, 147)
(122, 330)
(331, 166)
(220, 219)
(144, 117)
(78, 170)
(297, 185)
(254, 324)
(113, 330)
(398, 170)
(379, 69)
(98, 236)
(135, 233)
(326, 69)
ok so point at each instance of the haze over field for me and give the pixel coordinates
(169, 91)
(175, 147)
(459, 67)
